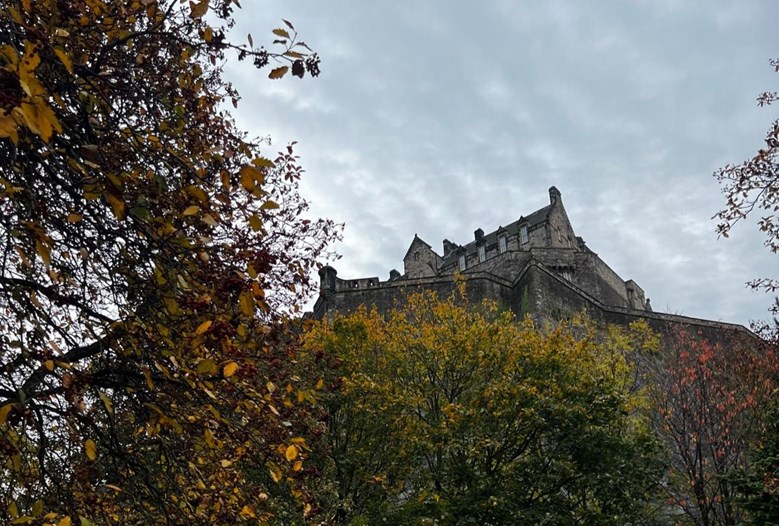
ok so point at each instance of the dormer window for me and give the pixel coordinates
(482, 254)
(502, 244)
(523, 234)
(461, 261)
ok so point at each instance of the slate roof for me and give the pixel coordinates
(512, 229)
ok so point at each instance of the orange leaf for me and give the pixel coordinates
(278, 72)
(203, 327)
(230, 369)
(191, 210)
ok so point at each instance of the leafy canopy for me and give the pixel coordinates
(149, 250)
(452, 413)
(712, 405)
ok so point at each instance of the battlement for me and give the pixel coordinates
(536, 266)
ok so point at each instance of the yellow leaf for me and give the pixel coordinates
(230, 369)
(226, 463)
(278, 72)
(297, 466)
(281, 33)
(117, 205)
(275, 473)
(44, 252)
(49, 364)
(269, 205)
(320, 384)
(198, 194)
(74, 218)
(147, 376)
(172, 306)
(39, 118)
(247, 513)
(247, 303)
(8, 127)
(255, 222)
(4, 412)
(263, 162)
(250, 177)
(199, 9)
(206, 366)
(203, 327)
(191, 210)
(109, 405)
(65, 521)
(91, 449)
(291, 453)
(64, 58)
(27, 79)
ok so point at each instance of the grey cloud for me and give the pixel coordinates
(444, 117)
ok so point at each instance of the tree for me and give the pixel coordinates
(149, 253)
(711, 402)
(451, 413)
(757, 486)
(754, 185)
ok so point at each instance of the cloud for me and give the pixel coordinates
(441, 118)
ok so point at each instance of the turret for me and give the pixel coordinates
(327, 276)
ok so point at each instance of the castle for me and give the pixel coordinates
(535, 266)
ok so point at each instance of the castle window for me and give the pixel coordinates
(502, 244)
(416, 256)
(482, 254)
(523, 234)
(461, 261)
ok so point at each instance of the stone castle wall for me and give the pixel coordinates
(550, 276)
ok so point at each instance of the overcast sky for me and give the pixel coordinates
(438, 118)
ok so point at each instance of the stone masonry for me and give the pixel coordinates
(535, 266)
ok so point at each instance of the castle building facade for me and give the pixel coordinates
(535, 266)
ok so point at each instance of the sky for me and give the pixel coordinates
(441, 117)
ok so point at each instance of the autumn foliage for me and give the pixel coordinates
(712, 403)
(454, 413)
(752, 188)
(149, 252)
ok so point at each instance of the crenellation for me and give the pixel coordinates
(536, 266)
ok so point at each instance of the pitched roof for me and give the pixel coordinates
(416, 241)
(512, 229)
